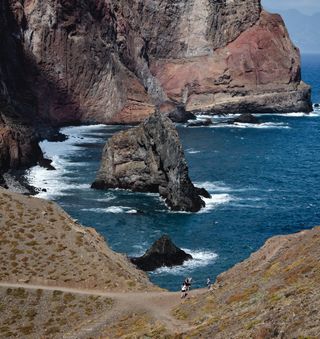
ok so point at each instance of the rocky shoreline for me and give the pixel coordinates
(121, 62)
(188, 59)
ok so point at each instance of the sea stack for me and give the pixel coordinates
(162, 253)
(150, 158)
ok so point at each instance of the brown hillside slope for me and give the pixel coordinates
(41, 244)
(273, 294)
(57, 277)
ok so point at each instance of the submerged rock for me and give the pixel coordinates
(162, 253)
(150, 158)
(245, 119)
(199, 123)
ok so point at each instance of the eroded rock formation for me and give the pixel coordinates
(150, 158)
(18, 139)
(162, 253)
(114, 61)
(258, 71)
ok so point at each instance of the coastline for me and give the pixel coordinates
(122, 206)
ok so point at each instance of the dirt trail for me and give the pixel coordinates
(155, 304)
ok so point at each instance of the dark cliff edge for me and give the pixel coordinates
(85, 62)
(150, 158)
(18, 139)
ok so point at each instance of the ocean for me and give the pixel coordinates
(264, 180)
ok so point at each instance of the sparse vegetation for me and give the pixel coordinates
(39, 241)
(25, 320)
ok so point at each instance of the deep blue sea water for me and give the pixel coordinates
(264, 179)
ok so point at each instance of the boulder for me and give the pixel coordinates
(245, 119)
(316, 105)
(200, 123)
(150, 158)
(177, 113)
(162, 253)
(46, 163)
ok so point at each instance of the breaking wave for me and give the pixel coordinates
(59, 182)
(112, 209)
(201, 258)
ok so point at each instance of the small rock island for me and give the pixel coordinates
(150, 158)
(162, 253)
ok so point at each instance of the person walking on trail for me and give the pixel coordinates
(184, 291)
(208, 283)
(187, 282)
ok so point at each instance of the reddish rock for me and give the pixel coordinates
(257, 72)
(97, 61)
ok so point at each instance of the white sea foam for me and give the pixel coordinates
(223, 194)
(192, 151)
(106, 199)
(265, 125)
(54, 181)
(112, 209)
(201, 258)
(221, 187)
(214, 186)
(76, 130)
(51, 181)
(219, 195)
(215, 200)
(315, 113)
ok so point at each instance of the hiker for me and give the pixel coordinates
(209, 283)
(184, 291)
(187, 282)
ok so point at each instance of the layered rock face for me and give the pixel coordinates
(114, 61)
(259, 71)
(149, 158)
(18, 139)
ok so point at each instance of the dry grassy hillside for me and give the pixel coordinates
(30, 314)
(273, 294)
(41, 244)
(96, 293)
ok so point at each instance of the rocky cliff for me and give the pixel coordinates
(104, 61)
(18, 140)
(150, 158)
(114, 61)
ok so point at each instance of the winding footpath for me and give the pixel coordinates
(156, 304)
